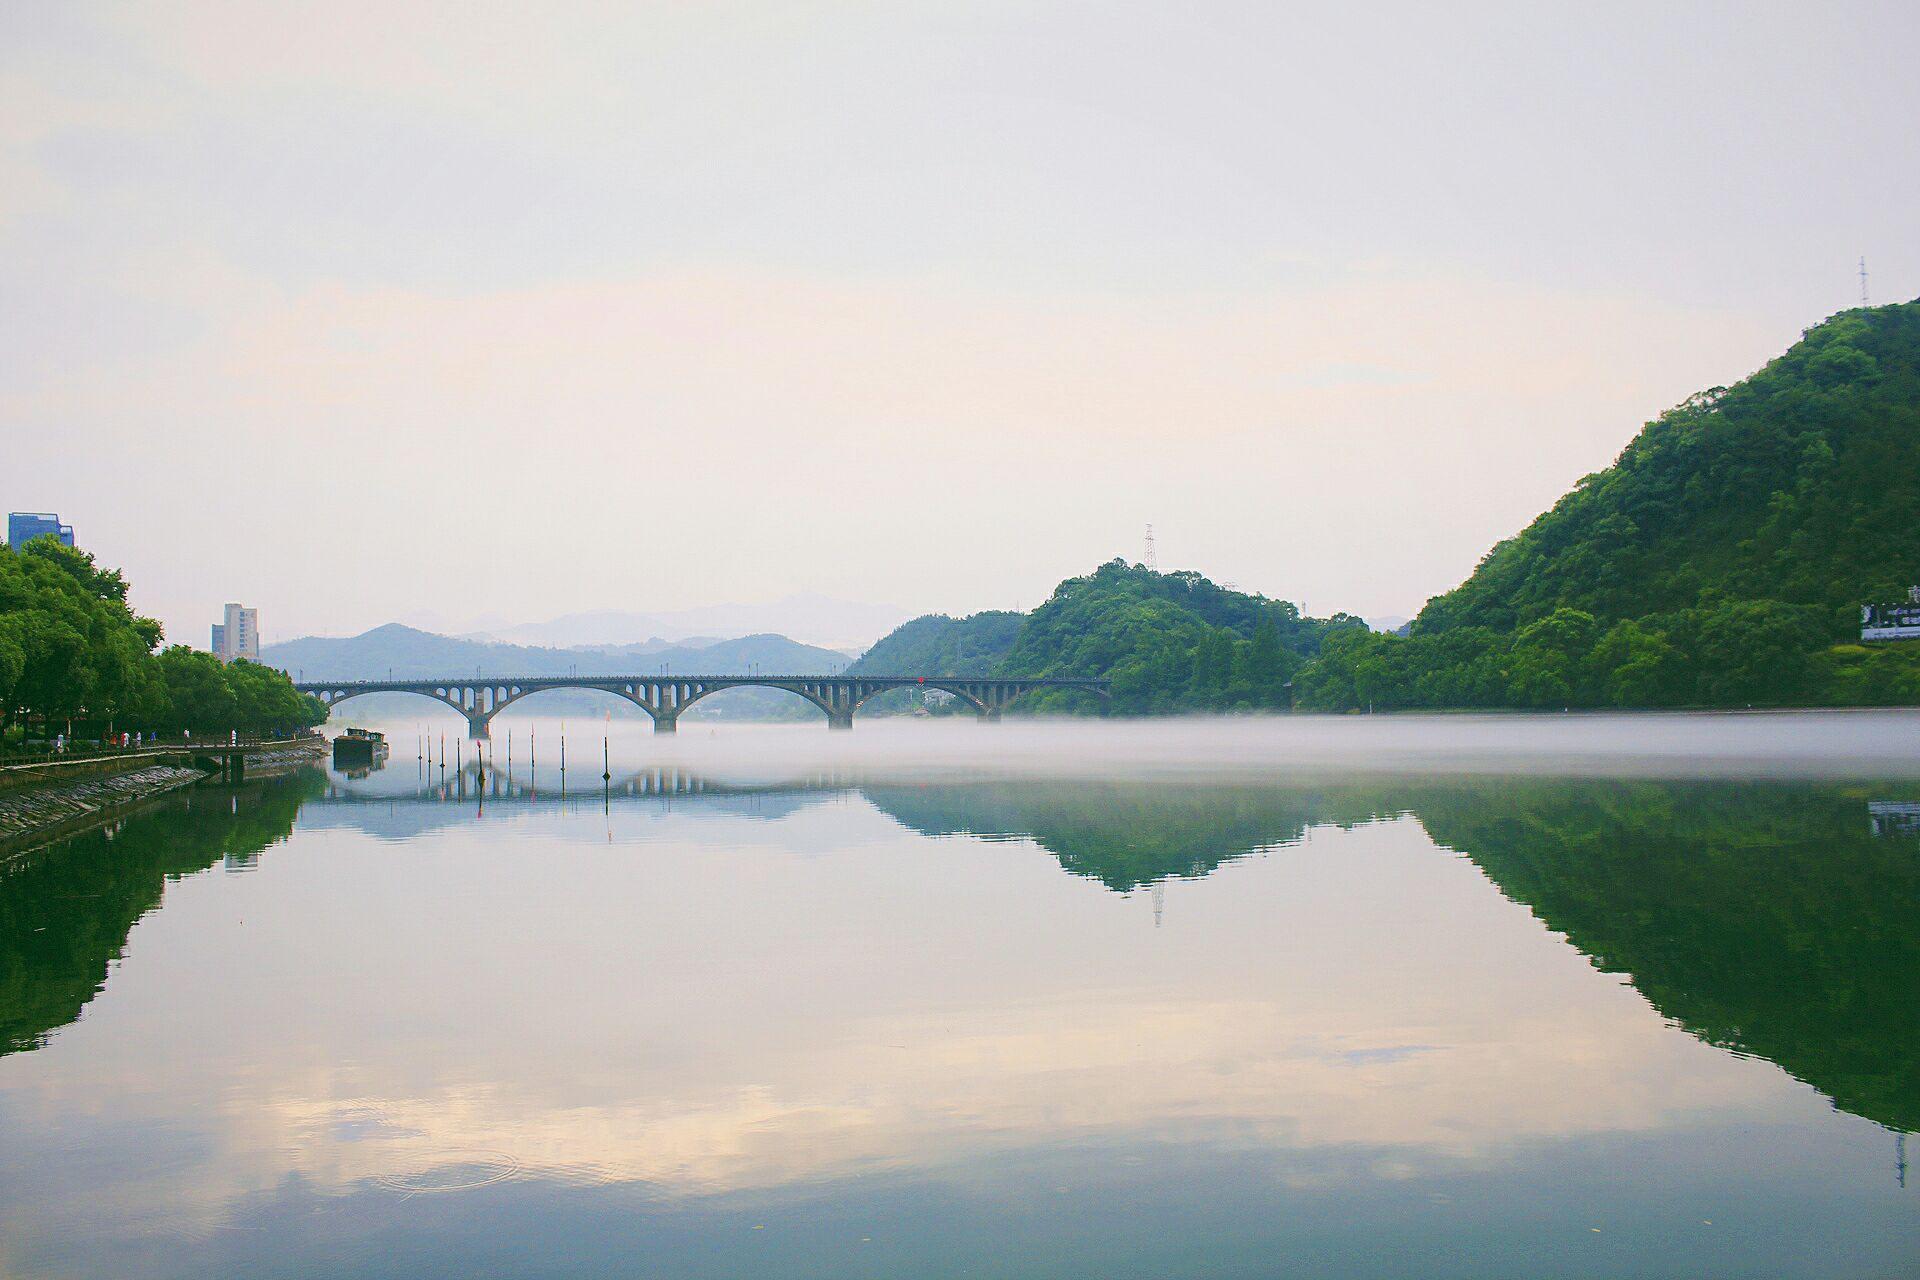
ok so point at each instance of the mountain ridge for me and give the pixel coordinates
(397, 651)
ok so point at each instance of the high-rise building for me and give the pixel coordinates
(238, 636)
(24, 525)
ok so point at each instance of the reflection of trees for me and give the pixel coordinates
(65, 912)
(1764, 918)
(1122, 834)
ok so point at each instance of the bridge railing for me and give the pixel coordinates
(72, 751)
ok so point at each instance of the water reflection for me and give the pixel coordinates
(66, 910)
(838, 985)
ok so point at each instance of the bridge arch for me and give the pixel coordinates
(820, 694)
(333, 698)
(957, 688)
(509, 692)
(665, 696)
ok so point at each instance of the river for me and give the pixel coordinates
(1382, 997)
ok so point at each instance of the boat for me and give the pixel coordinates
(359, 747)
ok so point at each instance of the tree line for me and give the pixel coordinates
(1721, 561)
(1729, 653)
(73, 651)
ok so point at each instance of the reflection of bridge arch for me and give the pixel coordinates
(665, 697)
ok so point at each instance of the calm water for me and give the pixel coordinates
(1475, 997)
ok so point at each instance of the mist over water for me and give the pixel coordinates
(1364, 996)
(1864, 743)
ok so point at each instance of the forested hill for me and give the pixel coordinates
(1722, 561)
(1169, 641)
(936, 643)
(1799, 485)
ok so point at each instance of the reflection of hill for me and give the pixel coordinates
(65, 912)
(1122, 834)
(1764, 918)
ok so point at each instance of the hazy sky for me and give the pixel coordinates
(369, 311)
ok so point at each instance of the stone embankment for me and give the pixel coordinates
(35, 813)
(42, 806)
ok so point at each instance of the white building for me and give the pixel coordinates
(238, 636)
(1892, 621)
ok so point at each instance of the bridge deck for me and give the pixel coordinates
(664, 695)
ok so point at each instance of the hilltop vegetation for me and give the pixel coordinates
(1168, 641)
(1721, 561)
(1800, 485)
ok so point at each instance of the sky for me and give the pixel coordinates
(439, 312)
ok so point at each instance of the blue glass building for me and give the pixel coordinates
(24, 525)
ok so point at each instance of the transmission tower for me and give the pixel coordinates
(1153, 555)
(1863, 282)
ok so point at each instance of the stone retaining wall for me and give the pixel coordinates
(28, 816)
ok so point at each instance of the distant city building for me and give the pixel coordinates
(238, 636)
(25, 525)
(1892, 621)
(1894, 817)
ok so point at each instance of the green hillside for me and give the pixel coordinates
(936, 643)
(1800, 484)
(1169, 642)
(1721, 561)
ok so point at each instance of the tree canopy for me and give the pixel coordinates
(1169, 642)
(71, 648)
(1721, 561)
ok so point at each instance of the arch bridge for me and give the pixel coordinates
(665, 697)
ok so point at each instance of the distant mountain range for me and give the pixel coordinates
(811, 619)
(400, 652)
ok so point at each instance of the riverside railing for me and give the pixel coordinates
(84, 753)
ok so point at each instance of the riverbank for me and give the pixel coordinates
(59, 799)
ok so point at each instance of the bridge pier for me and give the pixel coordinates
(841, 719)
(477, 727)
(991, 715)
(664, 723)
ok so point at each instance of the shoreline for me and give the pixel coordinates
(39, 812)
